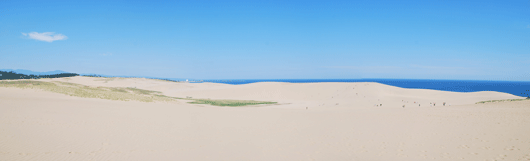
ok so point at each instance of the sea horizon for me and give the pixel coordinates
(518, 88)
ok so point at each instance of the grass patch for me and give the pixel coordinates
(167, 96)
(119, 90)
(141, 91)
(72, 89)
(507, 100)
(118, 93)
(233, 103)
(24, 83)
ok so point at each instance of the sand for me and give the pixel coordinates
(312, 121)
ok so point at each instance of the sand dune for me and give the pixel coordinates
(313, 95)
(340, 123)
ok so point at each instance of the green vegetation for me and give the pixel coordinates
(94, 75)
(118, 93)
(232, 103)
(13, 76)
(508, 100)
(141, 91)
(119, 90)
(22, 84)
(72, 89)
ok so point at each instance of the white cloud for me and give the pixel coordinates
(45, 36)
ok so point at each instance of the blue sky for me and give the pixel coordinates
(473, 40)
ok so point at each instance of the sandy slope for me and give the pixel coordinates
(341, 123)
(301, 95)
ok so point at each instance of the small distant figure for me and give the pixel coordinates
(444, 103)
(419, 105)
(434, 104)
(306, 108)
(403, 106)
(380, 104)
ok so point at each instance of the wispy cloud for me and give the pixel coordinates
(45, 36)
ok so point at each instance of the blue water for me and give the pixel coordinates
(518, 88)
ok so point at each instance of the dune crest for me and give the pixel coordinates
(312, 121)
(350, 95)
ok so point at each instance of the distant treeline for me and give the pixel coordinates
(13, 75)
(93, 75)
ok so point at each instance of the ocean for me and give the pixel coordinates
(518, 88)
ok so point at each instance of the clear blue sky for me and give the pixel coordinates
(477, 40)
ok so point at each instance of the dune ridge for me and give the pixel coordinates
(312, 121)
(358, 94)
